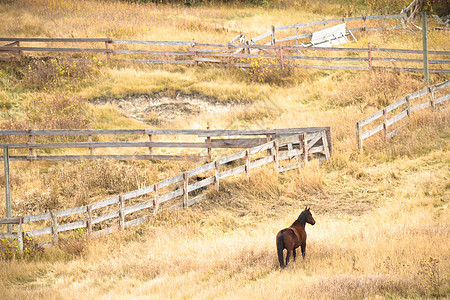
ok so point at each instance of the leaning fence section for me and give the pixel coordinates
(388, 120)
(180, 191)
(134, 144)
(299, 33)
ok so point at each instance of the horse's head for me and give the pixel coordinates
(308, 216)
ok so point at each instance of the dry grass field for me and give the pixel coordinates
(382, 218)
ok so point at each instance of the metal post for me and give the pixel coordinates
(7, 185)
(425, 48)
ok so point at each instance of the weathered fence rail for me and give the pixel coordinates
(211, 139)
(284, 153)
(280, 34)
(402, 108)
(280, 56)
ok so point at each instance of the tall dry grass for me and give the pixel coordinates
(382, 215)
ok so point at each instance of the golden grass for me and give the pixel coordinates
(382, 215)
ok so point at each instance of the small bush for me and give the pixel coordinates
(272, 71)
(48, 73)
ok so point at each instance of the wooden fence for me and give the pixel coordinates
(192, 53)
(284, 154)
(210, 139)
(285, 33)
(402, 108)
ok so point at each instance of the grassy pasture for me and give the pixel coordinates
(382, 220)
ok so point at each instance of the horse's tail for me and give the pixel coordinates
(280, 247)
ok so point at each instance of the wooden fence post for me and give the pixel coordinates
(370, 57)
(150, 138)
(121, 213)
(425, 48)
(385, 123)
(155, 200)
(91, 150)
(325, 145)
(281, 57)
(7, 186)
(20, 235)
(329, 141)
(54, 226)
(408, 107)
(185, 189)
(359, 140)
(108, 54)
(272, 42)
(364, 24)
(89, 220)
(433, 105)
(216, 175)
(296, 33)
(247, 163)
(31, 151)
(276, 156)
(20, 51)
(195, 52)
(304, 146)
(208, 140)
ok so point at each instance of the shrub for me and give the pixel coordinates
(48, 73)
(272, 71)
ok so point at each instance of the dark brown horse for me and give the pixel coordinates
(293, 237)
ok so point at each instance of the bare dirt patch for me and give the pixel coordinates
(161, 106)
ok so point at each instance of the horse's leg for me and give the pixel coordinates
(294, 253)
(288, 255)
(303, 249)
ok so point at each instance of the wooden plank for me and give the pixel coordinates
(136, 222)
(201, 169)
(373, 117)
(150, 61)
(72, 226)
(261, 148)
(437, 52)
(290, 167)
(418, 94)
(396, 104)
(316, 149)
(371, 132)
(139, 192)
(106, 202)
(106, 157)
(170, 196)
(200, 184)
(40, 231)
(148, 52)
(262, 36)
(441, 86)
(294, 37)
(232, 172)
(325, 58)
(289, 154)
(232, 157)
(56, 40)
(314, 140)
(39, 217)
(107, 230)
(261, 162)
(442, 99)
(156, 43)
(420, 106)
(111, 215)
(169, 181)
(6, 235)
(138, 207)
(397, 118)
(70, 50)
(10, 220)
(71, 211)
